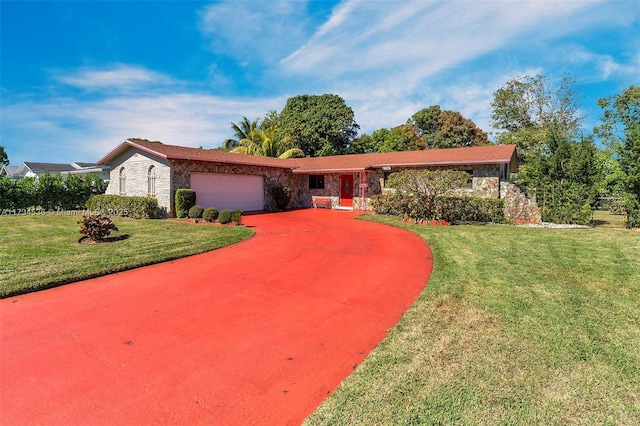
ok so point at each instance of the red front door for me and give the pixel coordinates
(346, 190)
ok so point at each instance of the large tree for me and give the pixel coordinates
(268, 143)
(4, 158)
(446, 129)
(621, 130)
(527, 107)
(319, 125)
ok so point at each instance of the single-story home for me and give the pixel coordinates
(238, 181)
(33, 169)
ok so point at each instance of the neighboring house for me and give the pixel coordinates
(32, 169)
(237, 181)
(10, 171)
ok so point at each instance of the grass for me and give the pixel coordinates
(516, 326)
(607, 219)
(38, 252)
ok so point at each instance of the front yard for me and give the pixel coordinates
(516, 326)
(41, 251)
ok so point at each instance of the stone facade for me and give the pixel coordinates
(518, 207)
(135, 173)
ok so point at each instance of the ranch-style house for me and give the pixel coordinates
(227, 180)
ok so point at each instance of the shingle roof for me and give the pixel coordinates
(493, 154)
(175, 152)
(48, 167)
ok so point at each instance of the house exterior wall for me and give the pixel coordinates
(136, 166)
(486, 183)
(489, 181)
(181, 178)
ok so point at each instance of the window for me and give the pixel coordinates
(316, 181)
(122, 189)
(151, 181)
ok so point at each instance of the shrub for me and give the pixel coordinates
(281, 195)
(236, 217)
(120, 205)
(210, 214)
(471, 209)
(185, 199)
(196, 212)
(450, 208)
(97, 227)
(225, 216)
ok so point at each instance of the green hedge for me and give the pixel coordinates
(119, 205)
(49, 192)
(451, 208)
(185, 199)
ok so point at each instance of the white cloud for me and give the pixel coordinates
(254, 32)
(119, 77)
(68, 129)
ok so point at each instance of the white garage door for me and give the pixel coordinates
(228, 191)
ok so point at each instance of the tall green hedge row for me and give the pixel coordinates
(49, 192)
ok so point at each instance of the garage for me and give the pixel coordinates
(228, 191)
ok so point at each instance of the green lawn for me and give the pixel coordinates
(516, 326)
(38, 252)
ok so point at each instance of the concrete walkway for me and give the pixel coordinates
(258, 333)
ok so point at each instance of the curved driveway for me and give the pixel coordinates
(260, 332)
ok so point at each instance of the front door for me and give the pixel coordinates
(346, 190)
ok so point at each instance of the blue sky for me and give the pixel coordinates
(79, 77)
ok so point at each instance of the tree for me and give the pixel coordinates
(527, 107)
(564, 177)
(268, 143)
(241, 130)
(401, 138)
(319, 125)
(4, 158)
(446, 129)
(620, 129)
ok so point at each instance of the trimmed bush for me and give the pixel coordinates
(225, 216)
(185, 199)
(97, 227)
(210, 214)
(196, 212)
(450, 208)
(281, 196)
(471, 209)
(120, 205)
(236, 217)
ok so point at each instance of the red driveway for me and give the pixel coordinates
(257, 333)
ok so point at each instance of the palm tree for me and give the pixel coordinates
(267, 143)
(241, 130)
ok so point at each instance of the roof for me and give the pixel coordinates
(175, 152)
(79, 165)
(48, 167)
(492, 154)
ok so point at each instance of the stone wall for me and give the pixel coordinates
(518, 207)
(134, 166)
(272, 177)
